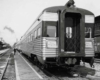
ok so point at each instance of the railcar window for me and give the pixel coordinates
(68, 32)
(39, 31)
(31, 36)
(29, 39)
(51, 31)
(35, 34)
(88, 32)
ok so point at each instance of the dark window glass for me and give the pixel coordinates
(35, 34)
(39, 31)
(51, 31)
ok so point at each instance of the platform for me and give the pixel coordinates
(24, 71)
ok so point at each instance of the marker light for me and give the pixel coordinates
(89, 19)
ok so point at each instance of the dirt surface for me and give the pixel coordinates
(93, 73)
(84, 71)
(10, 72)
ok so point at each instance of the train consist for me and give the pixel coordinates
(61, 36)
(97, 36)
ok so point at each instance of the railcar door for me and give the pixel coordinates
(72, 32)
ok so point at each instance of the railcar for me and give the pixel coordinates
(61, 35)
(97, 36)
(17, 47)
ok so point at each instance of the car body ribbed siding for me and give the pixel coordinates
(37, 47)
(49, 52)
(33, 47)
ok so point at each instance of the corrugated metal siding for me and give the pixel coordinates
(49, 52)
(34, 47)
(37, 46)
(89, 51)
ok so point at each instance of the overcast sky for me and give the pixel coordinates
(20, 14)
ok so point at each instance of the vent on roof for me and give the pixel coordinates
(70, 3)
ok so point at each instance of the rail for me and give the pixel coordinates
(4, 69)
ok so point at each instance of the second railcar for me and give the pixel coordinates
(97, 36)
(61, 35)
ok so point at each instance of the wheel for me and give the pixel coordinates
(36, 61)
(32, 57)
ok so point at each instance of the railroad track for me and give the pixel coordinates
(2, 54)
(54, 77)
(4, 58)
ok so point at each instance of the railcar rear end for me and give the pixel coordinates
(66, 40)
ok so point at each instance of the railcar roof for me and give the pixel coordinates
(97, 18)
(62, 8)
